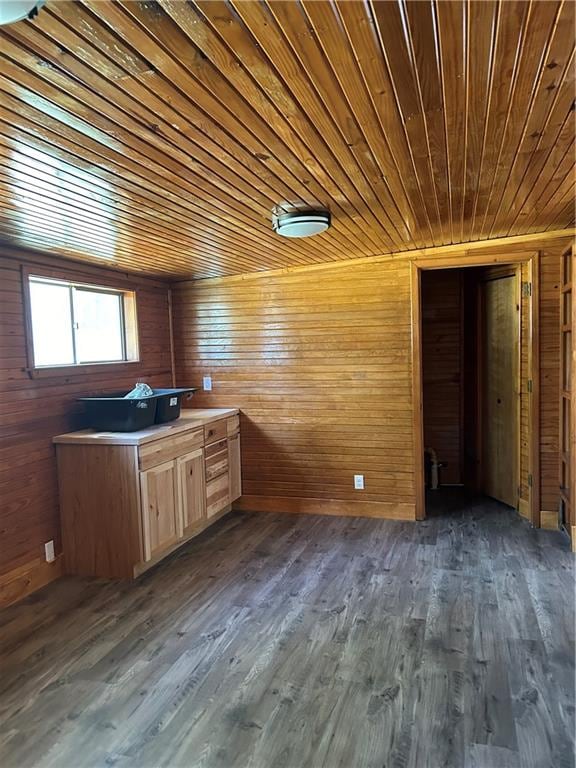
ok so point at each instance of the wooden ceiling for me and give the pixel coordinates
(159, 136)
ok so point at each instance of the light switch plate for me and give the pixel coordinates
(207, 383)
(359, 482)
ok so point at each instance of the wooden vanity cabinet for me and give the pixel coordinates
(126, 504)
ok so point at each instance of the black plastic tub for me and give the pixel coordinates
(115, 413)
(169, 403)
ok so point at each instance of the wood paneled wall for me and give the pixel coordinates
(32, 411)
(442, 369)
(319, 363)
(318, 360)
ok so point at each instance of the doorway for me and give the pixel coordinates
(474, 371)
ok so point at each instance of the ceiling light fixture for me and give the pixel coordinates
(301, 223)
(16, 10)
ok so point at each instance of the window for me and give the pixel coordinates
(77, 324)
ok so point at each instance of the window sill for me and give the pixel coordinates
(60, 371)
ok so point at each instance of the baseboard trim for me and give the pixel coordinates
(27, 578)
(549, 520)
(334, 507)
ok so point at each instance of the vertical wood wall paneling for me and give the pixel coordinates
(34, 410)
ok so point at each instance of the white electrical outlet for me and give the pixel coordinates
(49, 551)
(359, 482)
(207, 383)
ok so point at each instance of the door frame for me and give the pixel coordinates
(568, 395)
(417, 266)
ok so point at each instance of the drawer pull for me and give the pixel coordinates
(215, 431)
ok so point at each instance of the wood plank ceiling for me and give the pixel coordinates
(158, 136)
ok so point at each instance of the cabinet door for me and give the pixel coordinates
(192, 490)
(161, 523)
(234, 467)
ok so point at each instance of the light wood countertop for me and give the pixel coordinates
(190, 418)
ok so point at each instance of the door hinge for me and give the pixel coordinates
(529, 385)
(526, 289)
(530, 480)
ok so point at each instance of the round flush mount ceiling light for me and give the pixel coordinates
(301, 223)
(16, 10)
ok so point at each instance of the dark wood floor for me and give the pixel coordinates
(305, 641)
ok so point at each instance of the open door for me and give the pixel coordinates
(515, 474)
(500, 389)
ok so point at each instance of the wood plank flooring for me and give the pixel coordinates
(278, 641)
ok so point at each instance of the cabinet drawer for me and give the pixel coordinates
(214, 448)
(217, 495)
(216, 466)
(216, 459)
(215, 431)
(233, 424)
(159, 451)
